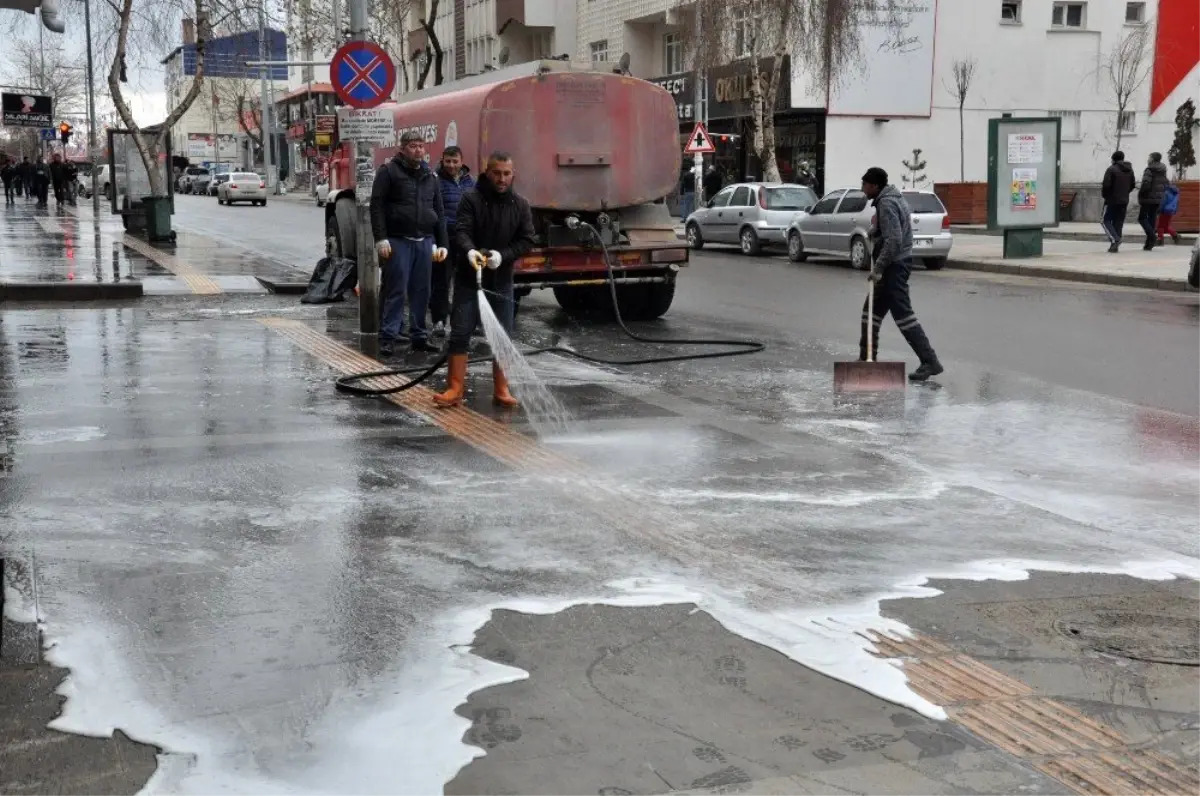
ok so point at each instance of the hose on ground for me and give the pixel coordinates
(347, 384)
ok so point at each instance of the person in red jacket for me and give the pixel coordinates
(494, 229)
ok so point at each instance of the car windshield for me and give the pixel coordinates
(790, 197)
(195, 172)
(924, 202)
(221, 177)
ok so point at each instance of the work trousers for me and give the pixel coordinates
(1113, 222)
(439, 295)
(1148, 217)
(406, 274)
(498, 286)
(891, 295)
(1163, 227)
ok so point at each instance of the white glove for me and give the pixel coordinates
(384, 248)
(494, 259)
(440, 254)
(475, 259)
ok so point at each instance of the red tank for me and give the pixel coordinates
(583, 141)
(597, 145)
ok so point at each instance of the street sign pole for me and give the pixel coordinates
(363, 77)
(91, 100)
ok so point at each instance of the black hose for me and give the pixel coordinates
(741, 347)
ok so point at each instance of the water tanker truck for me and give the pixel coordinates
(599, 146)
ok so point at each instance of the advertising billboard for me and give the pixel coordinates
(894, 75)
(27, 110)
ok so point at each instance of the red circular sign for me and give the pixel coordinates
(362, 74)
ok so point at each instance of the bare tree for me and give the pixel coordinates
(238, 101)
(819, 36)
(62, 79)
(437, 59)
(962, 72)
(1126, 68)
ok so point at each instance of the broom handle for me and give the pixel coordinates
(871, 322)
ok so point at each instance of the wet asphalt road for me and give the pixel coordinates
(279, 585)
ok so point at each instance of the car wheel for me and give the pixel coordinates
(859, 258)
(935, 263)
(750, 243)
(220, 201)
(796, 251)
(694, 238)
(1194, 273)
(263, 203)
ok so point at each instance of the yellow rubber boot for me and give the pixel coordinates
(456, 382)
(500, 395)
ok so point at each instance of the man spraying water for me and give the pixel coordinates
(494, 229)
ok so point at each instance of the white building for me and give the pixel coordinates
(1033, 58)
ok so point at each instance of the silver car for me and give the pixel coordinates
(750, 214)
(242, 187)
(843, 224)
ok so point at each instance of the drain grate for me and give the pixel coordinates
(1157, 638)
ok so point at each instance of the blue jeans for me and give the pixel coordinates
(687, 204)
(406, 275)
(1114, 222)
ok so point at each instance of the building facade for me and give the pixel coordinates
(1032, 58)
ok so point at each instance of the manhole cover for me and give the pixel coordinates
(1142, 637)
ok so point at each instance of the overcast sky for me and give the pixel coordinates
(144, 91)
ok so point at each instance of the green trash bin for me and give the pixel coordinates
(158, 217)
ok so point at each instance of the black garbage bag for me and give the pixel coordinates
(331, 280)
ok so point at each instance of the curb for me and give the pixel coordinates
(1186, 238)
(74, 291)
(1179, 285)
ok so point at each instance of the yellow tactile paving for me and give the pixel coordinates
(196, 281)
(1087, 756)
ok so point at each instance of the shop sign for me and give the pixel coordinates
(297, 130)
(326, 124)
(682, 88)
(729, 89)
(324, 139)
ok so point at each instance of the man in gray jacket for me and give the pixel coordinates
(1150, 196)
(892, 263)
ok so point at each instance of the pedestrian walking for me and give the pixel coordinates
(1166, 212)
(807, 178)
(1151, 193)
(1119, 181)
(455, 179)
(712, 182)
(72, 178)
(687, 190)
(8, 174)
(494, 229)
(25, 174)
(41, 181)
(408, 221)
(890, 269)
(58, 174)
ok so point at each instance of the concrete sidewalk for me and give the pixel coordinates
(1070, 230)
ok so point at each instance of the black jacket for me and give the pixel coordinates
(1118, 183)
(489, 220)
(406, 202)
(1153, 189)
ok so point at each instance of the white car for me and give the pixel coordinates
(242, 186)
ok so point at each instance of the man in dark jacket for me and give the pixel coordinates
(58, 177)
(494, 229)
(892, 263)
(25, 175)
(41, 181)
(8, 174)
(712, 182)
(1150, 196)
(1117, 185)
(409, 225)
(456, 180)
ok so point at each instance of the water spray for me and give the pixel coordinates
(347, 384)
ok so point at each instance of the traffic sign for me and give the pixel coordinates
(48, 134)
(366, 124)
(362, 74)
(701, 142)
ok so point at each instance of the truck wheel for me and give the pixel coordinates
(644, 302)
(339, 225)
(577, 301)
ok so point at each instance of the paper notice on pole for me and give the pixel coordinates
(364, 181)
(365, 124)
(1025, 148)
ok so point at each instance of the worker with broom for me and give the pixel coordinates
(892, 263)
(494, 229)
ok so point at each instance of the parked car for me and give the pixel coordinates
(750, 214)
(194, 180)
(242, 187)
(842, 224)
(103, 179)
(216, 182)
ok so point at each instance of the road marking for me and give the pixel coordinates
(196, 281)
(1085, 755)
